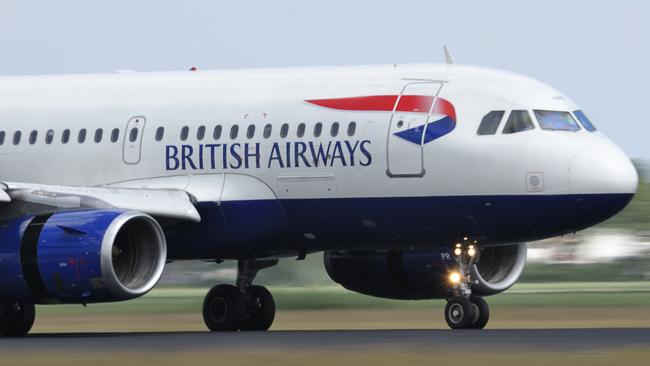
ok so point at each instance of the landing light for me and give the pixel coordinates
(471, 251)
(454, 277)
(457, 251)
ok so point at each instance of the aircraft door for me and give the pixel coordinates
(407, 127)
(133, 140)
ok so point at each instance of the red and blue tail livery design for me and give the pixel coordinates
(442, 118)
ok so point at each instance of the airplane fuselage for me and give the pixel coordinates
(287, 161)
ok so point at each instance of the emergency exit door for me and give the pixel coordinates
(132, 146)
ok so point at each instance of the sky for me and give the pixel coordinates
(596, 52)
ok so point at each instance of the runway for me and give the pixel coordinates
(541, 339)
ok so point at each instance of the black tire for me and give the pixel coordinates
(223, 308)
(261, 310)
(481, 312)
(459, 313)
(17, 319)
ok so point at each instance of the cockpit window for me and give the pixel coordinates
(584, 121)
(556, 121)
(490, 123)
(518, 121)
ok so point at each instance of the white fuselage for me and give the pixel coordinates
(372, 162)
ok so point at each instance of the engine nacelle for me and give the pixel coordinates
(498, 268)
(80, 257)
(423, 275)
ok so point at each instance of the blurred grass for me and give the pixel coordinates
(527, 306)
(636, 216)
(189, 300)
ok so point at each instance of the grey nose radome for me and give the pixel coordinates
(603, 170)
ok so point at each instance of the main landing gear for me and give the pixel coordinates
(463, 310)
(241, 307)
(16, 319)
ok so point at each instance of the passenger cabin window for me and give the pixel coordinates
(32, 137)
(234, 131)
(2, 137)
(200, 133)
(160, 132)
(518, 121)
(81, 137)
(99, 133)
(115, 134)
(267, 130)
(584, 121)
(556, 121)
(352, 128)
(133, 134)
(250, 132)
(65, 136)
(335, 129)
(49, 136)
(490, 123)
(17, 137)
(216, 134)
(318, 129)
(185, 132)
(300, 132)
(284, 130)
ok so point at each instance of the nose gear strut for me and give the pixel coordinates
(464, 311)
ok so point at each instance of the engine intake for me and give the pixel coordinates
(81, 256)
(133, 254)
(498, 268)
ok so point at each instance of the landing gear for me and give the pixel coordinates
(263, 309)
(459, 313)
(464, 310)
(16, 319)
(224, 308)
(481, 312)
(241, 307)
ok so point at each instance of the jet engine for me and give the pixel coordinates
(423, 275)
(80, 257)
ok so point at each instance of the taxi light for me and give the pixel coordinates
(454, 277)
(471, 251)
(457, 251)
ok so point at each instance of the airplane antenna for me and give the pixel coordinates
(448, 58)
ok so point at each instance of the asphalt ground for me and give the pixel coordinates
(160, 342)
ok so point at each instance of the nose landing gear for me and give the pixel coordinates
(241, 307)
(463, 310)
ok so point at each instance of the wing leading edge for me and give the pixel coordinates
(32, 198)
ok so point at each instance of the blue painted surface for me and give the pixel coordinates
(433, 131)
(68, 258)
(394, 274)
(11, 274)
(231, 230)
(262, 227)
(69, 255)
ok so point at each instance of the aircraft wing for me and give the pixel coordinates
(29, 198)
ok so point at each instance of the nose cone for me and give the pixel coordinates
(603, 181)
(604, 169)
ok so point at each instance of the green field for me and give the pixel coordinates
(183, 300)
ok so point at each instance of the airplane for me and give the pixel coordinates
(420, 181)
